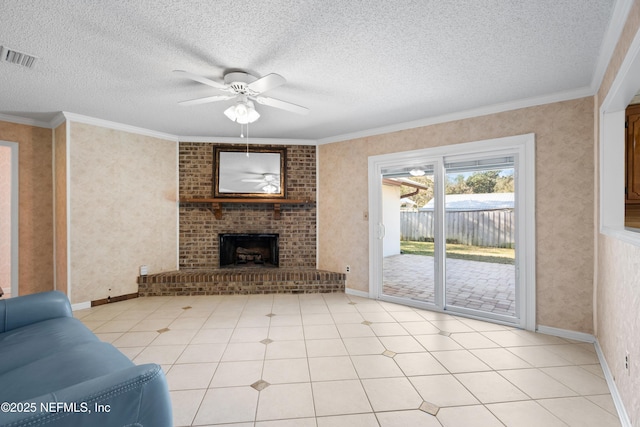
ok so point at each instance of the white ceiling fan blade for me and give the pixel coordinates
(283, 105)
(206, 100)
(267, 82)
(201, 79)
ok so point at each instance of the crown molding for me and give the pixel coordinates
(24, 121)
(250, 141)
(617, 22)
(58, 120)
(78, 118)
(429, 121)
(467, 114)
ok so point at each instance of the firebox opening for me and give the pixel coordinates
(249, 250)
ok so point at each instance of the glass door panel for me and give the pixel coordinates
(408, 265)
(480, 230)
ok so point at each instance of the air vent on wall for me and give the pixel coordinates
(15, 57)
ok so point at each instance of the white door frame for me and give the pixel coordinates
(13, 146)
(523, 147)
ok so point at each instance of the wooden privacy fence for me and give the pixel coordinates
(478, 228)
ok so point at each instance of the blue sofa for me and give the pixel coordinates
(56, 372)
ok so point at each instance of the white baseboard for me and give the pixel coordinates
(356, 293)
(580, 336)
(617, 400)
(565, 333)
(81, 306)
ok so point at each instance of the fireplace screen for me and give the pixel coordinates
(255, 250)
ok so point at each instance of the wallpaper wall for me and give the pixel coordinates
(564, 200)
(123, 212)
(60, 191)
(617, 298)
(35, 205)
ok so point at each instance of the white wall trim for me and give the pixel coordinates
(117, 126)
(356, 293)
(613, 389)
(81, 306)
(614, 30)
(588, 338)
(318, 203)
(68, 207)
(252, 140)
(467, 114)
(565, 333)
(24, 121)
(54, 197)
(177, 205)
(612, 145)
(14, 148)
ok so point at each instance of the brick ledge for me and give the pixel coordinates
(241, 281)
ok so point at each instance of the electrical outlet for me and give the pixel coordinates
(348, 269)
(627, 364)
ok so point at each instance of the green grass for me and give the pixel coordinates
(471, 253)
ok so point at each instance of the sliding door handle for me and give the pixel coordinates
(381, 231)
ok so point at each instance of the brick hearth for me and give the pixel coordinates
(240, 281)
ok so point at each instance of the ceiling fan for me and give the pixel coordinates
(267, 182)
(246, 88)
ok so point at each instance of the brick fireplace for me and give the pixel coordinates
(200, 230)
(200, 245)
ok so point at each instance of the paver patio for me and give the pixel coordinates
(476, 285)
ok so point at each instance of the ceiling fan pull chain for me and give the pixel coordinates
(247, 139)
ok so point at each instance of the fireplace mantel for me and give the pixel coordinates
(216, 203)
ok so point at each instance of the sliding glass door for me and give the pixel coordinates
(480, 231)
(409, 262)
(448, 230)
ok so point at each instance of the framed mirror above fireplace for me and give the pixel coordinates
(249, 172)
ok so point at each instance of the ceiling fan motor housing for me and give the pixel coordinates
(238, 81)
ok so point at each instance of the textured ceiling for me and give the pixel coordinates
(357, 65)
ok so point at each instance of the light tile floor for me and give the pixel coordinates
(337, 360)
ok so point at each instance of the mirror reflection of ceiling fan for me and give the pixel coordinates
(246, 88)
(268, 182)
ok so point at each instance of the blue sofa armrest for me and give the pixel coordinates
(136, 396)
(25, 310)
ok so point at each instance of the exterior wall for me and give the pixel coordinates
(123, 214)
(35, 237)
(617, 296)
(199, 229)
(564, 200)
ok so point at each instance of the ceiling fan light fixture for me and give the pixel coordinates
(242, 112)
(270, 188)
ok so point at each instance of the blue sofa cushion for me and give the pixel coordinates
(22, 346)
(61, 369)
